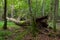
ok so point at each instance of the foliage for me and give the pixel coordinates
(9, 24)
(4, 34)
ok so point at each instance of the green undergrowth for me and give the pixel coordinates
(9, 24)
(22, 34)
(4, 34)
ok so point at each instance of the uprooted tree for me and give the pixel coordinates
(40, 22)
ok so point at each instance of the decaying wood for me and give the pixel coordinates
(20, 23)
(40, 22)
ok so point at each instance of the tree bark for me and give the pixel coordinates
(56, 2)
(43, 8)
(5, 11)
(18, 22)
(12, 10)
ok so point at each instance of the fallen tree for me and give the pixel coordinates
(19, 23)
(40, 22)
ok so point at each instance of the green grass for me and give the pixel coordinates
(9, 24)
(21, 35)
(5, 34)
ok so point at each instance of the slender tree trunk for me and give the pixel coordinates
(43, 8)
(36, 8)
(5, 10)
(30, 8)
(33, 22)
(56, 2)
(12, 9)
(51, 9)
(18, 18)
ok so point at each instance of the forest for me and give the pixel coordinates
(29, 19)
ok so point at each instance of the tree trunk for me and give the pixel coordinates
(12, 10)
(51, 9)
(56, 2)
(5, 10)
(43, 8)
(18, 22)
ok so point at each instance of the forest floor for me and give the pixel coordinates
(44, 35)
(20, 34)
(15, 32)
